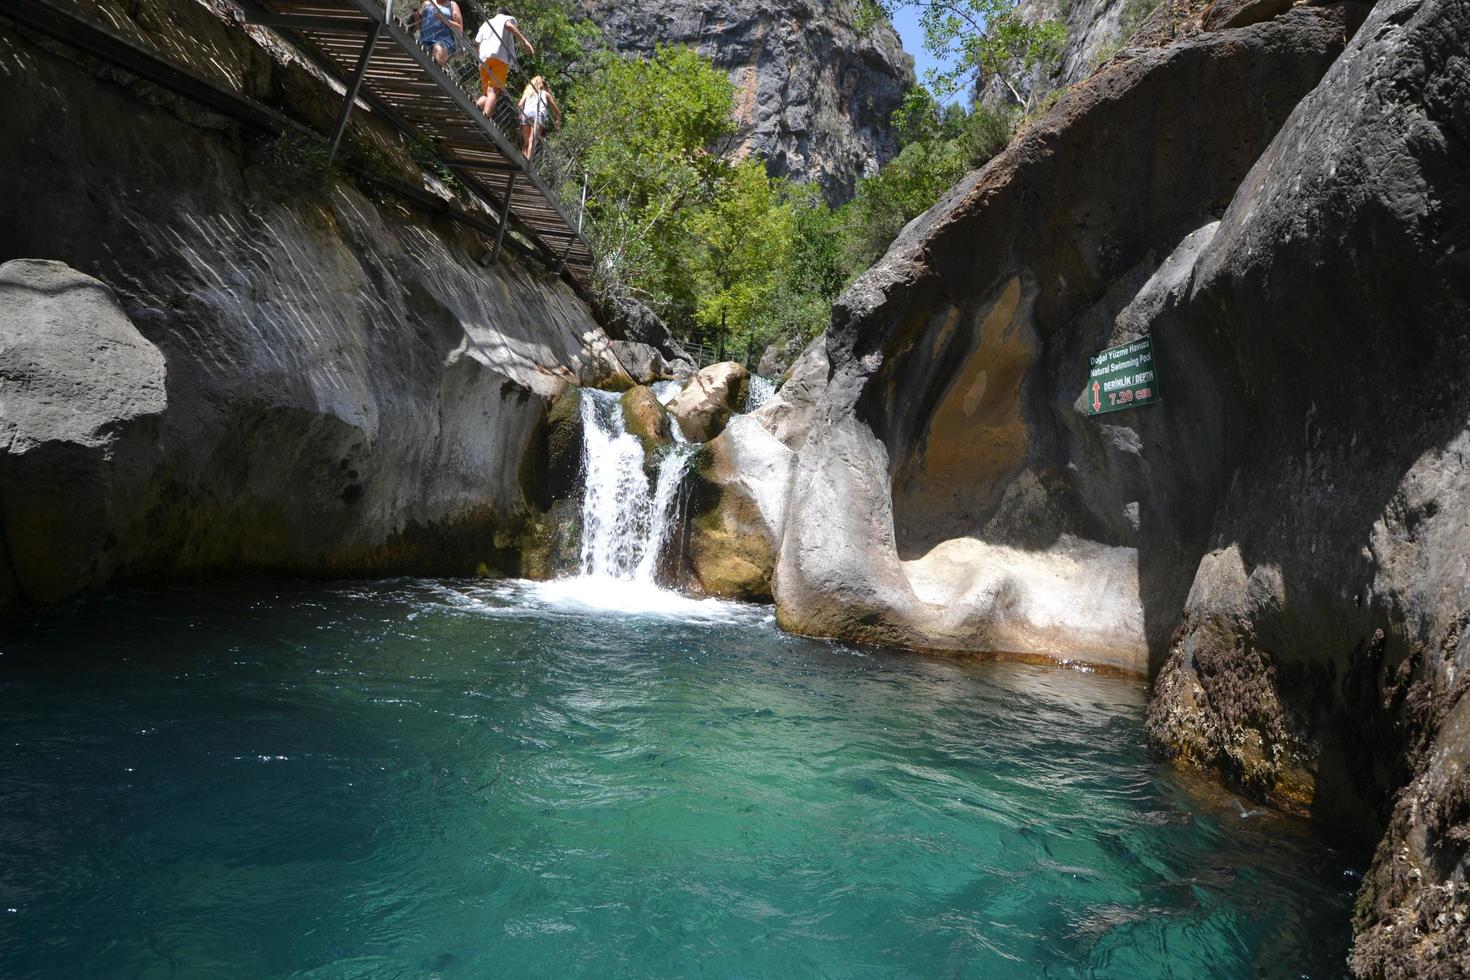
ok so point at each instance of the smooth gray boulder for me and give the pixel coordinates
(778, 357)
(82, 394)
(643, 343)
(787, 414)
(709, 399)
(643, 363)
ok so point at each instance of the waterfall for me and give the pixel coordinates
(760, 390)
(625, 521)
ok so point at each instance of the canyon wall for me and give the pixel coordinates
(219, 359)
(1282, 544)
(813, 93)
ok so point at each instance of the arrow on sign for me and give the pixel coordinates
(1096, 398)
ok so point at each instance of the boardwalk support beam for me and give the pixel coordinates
(353, 84)
(510, 186)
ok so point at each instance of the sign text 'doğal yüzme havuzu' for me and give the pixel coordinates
(1121, 377)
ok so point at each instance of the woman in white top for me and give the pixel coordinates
(537, 105)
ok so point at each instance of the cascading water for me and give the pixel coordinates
(760, 391)
(625, 521)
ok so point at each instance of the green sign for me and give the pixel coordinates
(1121, 377)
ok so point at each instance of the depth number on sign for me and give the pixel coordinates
(1122, 377)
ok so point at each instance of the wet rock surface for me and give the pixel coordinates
(646, 417)
(1320, 661)
(739, 502)
(813, 94)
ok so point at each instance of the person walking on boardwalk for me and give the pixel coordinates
(497, 38)
(440, 27)
(537, 104)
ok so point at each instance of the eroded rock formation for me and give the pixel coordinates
(1282, 541)
(255, 375)
(813, 94)
(991, 514)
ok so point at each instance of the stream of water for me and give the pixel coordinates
(596, 777)
(458, 779)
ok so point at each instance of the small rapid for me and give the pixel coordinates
(760, 391)
(631, 516)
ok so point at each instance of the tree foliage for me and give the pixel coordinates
(978, 40)
(648, 134)
(743, 241)
(716, 246)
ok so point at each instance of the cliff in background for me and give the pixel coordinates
(1096, 30)
(813, 95)
(219, 359)
(1279, 197)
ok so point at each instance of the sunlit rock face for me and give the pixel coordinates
(1280, 544)
(348, 390)
(813, 93)
(953, 495)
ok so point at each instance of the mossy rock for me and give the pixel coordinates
(645, 418)
(729, 557)
(564, 445)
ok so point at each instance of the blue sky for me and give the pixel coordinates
(906, 21)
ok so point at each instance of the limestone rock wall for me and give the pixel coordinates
(234, 373)
(953, 497)
(1281, 543)
(813, 94)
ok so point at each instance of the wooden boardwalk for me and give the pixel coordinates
(384, 67)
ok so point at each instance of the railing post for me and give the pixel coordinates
(510, 186)
(353, 85)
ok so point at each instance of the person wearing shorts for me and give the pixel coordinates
(440, 25)
(537, 105)
(497, 39)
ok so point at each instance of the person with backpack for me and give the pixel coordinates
(497, 39)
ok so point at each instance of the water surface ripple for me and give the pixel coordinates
(453, 779)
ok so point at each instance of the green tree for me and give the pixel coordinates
(905, 188)
(744, 242)
(649, 134)
(816, 272)
(978, 39)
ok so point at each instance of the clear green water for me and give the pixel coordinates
(458, 780)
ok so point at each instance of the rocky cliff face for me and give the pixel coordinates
(813, 95)
(1096, 29)
(1281, 543)
(215, 372)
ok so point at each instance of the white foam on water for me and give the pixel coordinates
(626, 521)
(602, 594)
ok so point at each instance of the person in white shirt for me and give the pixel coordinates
(537, 105)
(497, 39)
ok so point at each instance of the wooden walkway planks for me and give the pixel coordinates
(401, 77)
